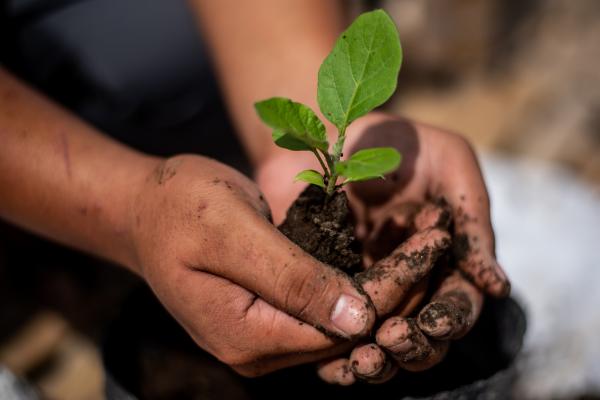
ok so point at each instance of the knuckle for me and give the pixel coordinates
(301, 290)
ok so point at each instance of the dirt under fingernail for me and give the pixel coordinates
(437, 319)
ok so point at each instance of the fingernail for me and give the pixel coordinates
(349, 315)
(373, 358)
(403, 347)
(435, 320)
(442, 328)
(396, 336)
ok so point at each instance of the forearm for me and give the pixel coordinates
(62, 179)
(267, 48)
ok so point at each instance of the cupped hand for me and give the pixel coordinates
(204, 242)
(438, 169)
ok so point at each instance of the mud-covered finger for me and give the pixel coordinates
(436, 214)
(474, 257)
(459, 181)
(412, 350)
(367, 360)
(453, 309)
(389, 280)
(436, 354)
(404, 341)
(370, 363)
(413, 298)
(402, 338)
(336, 372)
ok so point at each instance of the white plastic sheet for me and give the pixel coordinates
(547, 226)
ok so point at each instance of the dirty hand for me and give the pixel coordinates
(436, 164)
(204, 242)
(439, 171)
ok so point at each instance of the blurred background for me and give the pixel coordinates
(519, 78)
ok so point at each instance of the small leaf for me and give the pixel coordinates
(361, 71)
(294, 120)
(289, 142)
(311, 176)
(369, 163)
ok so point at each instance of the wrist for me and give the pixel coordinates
(128, 191)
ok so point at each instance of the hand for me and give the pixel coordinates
(436, 164)
(204, 243)
(416, 343)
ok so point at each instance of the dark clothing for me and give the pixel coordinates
(136, 69)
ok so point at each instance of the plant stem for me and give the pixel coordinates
(328, 160)
(337, 154)
(325, 169)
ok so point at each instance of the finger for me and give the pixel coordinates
(402, 338)
(460, 182)
(389, 280)
(237, 327)
(370, 363)
(388, 227)
(413, 351)
(336, 372)
(433, 215)
(259, 258)
(393, 224)
(410, 218)
(413, 298)
(453, 309)
(436, 355)
(429, 215)
(367, 361)
(291, 342)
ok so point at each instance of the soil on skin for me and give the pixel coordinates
(324, 228)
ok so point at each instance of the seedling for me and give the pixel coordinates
(358, 75)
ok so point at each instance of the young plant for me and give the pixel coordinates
(358, 75)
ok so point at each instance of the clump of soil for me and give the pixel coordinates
(324, 227)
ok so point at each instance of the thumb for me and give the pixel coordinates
(265, 262)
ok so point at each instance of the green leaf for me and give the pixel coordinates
(295, 121)
(361, 71)
(289, 142)
(311, 176)
(369, 163)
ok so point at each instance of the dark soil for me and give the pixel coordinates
(324, 227)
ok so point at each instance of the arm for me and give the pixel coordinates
(62, 179)
(267, 48)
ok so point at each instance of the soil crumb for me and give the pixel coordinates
(324, 228)
(461, 247)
